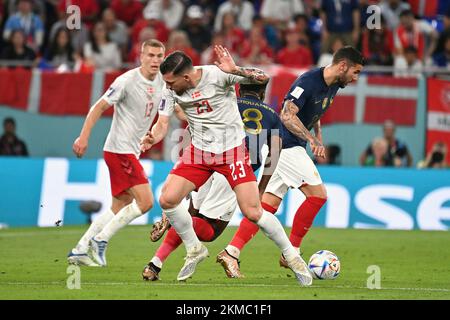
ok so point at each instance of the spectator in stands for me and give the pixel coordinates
(391, 10)
(61, 54)
(294, 54)
(116, 29)
(151, 19)
(442, 59)
(242, 10)
(17, 50)
(233, 35)
(378, 45)
(378, 156)
(326, 58)
(397, 153)
(413, 33)
(301, 26)
(100, 52)
(135, 52)
(199, 35)
(170, 11)
(332, 156)
(256, 50)
(270, 32)
(178, 40)
(79, 37)
(340, 19)
(89, 10)
(127, 11)
(444, 34)
(10, 144)
(435, 158)
(408, 65)
(280, 13)
(28, 22)
(208, 56)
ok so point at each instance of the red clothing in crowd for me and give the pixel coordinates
(127, 12)
(88, 8)
(162, 33)
(300, 57)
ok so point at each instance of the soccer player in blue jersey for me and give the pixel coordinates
(308, 99)
(214, 204)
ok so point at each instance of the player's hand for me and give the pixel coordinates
(317, 148)
(79, 146)
(226, 62)
(147, 142)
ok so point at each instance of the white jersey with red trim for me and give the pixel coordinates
(135, 101)
(211, 109)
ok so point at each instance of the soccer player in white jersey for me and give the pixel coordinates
(135, 96)
(207, 96)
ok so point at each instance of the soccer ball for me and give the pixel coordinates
(324, 265)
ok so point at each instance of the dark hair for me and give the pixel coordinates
(95, 46)
(55, 49)
(301, 16)
(9, 120)
(350, 54)
(176, 62)
(406, 12)
(256, 88)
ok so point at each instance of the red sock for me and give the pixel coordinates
(248, 229)
(203, 229)
(304, 218)
(171, 241)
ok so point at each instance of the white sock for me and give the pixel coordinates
(232, 250)
(122, 218)
(272, 228)
(181, 220)
(95, 227)
(157, 262)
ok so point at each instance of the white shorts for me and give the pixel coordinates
(294, 169)
(215, 199)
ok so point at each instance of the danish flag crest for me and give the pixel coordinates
(196, 94)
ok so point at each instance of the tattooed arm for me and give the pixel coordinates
(293, 124)
(227, 64)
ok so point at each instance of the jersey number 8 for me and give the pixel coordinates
(255, 119)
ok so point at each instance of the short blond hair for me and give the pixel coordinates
(152, 43)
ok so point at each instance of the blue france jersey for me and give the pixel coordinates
(313, 97)
(260, 123)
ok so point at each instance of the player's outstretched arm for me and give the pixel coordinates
(227, 64)
(158, 132)
(293, 124)
(81, 143)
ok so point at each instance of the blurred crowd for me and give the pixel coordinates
(294, 33)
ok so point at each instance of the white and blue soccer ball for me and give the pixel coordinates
(324, 265)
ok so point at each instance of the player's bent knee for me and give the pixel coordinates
(166, 202)
(145, 206)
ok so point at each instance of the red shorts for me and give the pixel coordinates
(125, 171)
(197, 166)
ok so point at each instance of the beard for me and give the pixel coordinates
(342, 82)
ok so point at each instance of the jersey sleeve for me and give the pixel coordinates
(298, 95)
(116, 91)
(167, 103)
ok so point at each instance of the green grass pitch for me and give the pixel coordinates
(413, 264)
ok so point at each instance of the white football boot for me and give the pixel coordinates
(193, 257)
